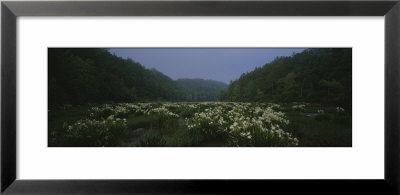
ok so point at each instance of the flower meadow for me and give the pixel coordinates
(229, 124)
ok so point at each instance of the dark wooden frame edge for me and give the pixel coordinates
(10, 10)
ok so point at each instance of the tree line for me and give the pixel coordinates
(322, 76)
(89, 75)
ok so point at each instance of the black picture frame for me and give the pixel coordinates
(10, 10)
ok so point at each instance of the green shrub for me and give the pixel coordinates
(152, 140)
(95, 133)
(256, 137)
(141, 121)
(323, 117)
(184, 138)
(342, 119)
(166, 121)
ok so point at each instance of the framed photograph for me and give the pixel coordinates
(120, 97)
(186, 97)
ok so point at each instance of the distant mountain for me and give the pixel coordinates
(89, 75)
(322, 76)
(201, 89)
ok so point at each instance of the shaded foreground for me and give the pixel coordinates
(210, 124)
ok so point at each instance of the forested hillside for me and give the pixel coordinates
(79, 76)
(321, 76)
(202, 90)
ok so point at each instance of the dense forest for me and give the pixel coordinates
(79, 76)
(322, 76)
(200, 90)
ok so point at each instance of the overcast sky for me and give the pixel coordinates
(221, 64)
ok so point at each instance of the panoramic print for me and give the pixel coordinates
(199, 97)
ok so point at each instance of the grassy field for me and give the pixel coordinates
(212, 124)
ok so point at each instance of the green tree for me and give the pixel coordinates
(289, 87)
(260, 96)
(251, 90)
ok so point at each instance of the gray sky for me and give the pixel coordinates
(221, 64)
